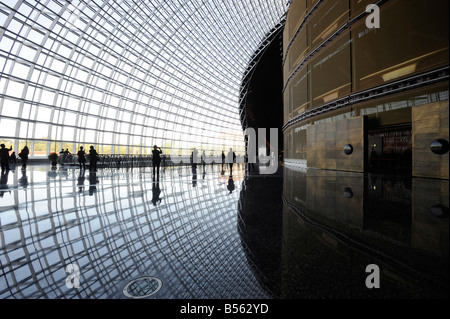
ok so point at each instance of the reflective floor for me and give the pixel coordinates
(206, 233)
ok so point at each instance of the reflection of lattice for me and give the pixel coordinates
(117, 234)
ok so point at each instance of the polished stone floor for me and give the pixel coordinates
(207, 233)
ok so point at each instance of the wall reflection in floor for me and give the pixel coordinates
(330, 225)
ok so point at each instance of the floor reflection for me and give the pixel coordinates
(117, 225)
(331, 225)
(208, 234)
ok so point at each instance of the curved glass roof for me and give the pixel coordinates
(125, 75)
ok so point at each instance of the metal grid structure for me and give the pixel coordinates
(125, 75)
(115, 234)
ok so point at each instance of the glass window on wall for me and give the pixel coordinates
(40, 148)
(411, 39)
(326, 20)
(330, 71)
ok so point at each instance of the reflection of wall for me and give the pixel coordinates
(335, 223)
(430, 229)
(333, 195)
(338, 196)
(326, 143)
(430, 122)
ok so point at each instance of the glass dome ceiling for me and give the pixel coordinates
(125, 75)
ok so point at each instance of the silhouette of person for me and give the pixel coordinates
(156, 159)
(4, 157)
(231, 158)
(93, 158)
(204, 158)
(230, 185)
(156, 191)
(24, 156)
(82, 158)
(13, 158)
(223, 160)
(194, 155)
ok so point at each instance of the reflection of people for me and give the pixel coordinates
(81, 179)
(93, 157)
(82, 158)
(92, 182)
(24, 156)
(3, 182)
(23, 181)
(4, 157)
(156, 159)
(194, 176)
(156, 191)
(230, 185)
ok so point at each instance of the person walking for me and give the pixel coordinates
(4, 157)
(93, 158)
(156, 159)
(24, 156)
(82, 158)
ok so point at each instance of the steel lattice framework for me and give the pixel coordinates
(125, 74)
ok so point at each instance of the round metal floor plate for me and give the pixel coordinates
(142, 287)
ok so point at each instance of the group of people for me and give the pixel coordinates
(93, 158)
(5, 158)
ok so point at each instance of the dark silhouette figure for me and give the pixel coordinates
(194, 157)
(24, 156)
(93, 158)
(204, 159)
(156, 159)
(156, 191)
(13, 158)
(4, 157)
(65, 155)
(231, 158)
(82, 158)
(230, 185)
(223, 160)
(81, 180)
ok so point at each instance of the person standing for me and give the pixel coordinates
(4, 157)
(82, 158)
(93, 158)
(156, 159)
(24, 156)
(231, 158)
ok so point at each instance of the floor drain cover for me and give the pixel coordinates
(142, 287)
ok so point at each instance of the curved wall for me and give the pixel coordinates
(357, 81)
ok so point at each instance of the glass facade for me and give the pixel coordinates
(126, 75)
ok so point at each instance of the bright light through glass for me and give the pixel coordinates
(80, 72)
